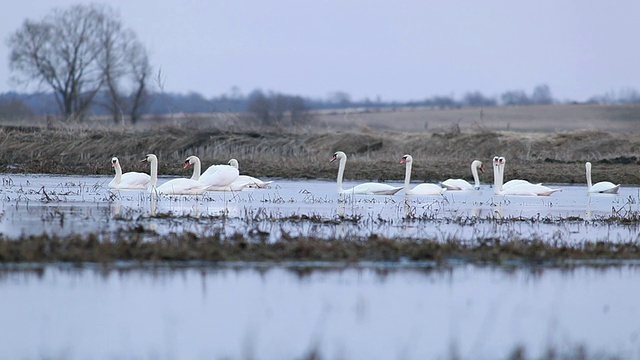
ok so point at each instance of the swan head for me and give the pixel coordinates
(114, 161)
(498, 162)
(190, 161)
(478, 165)
(338, 155)
(233, 162)
(406, 159)
(587, 165)
(150, 158)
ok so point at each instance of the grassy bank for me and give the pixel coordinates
(305, 153)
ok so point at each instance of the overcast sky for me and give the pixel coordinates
(397, 50)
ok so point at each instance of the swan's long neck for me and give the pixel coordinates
(154, 174)
(343, 164)
(118, 177)
(407, 175)
(588, 168)
(476, 178)
(501, 176)
(497, 179)
(196, 170)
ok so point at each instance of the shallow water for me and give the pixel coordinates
(374, 312)
(360, 311)
(36, 204)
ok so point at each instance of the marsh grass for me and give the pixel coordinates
(445, 152)
(136, 243)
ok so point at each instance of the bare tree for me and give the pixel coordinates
(125, 64)
(78, 52)
(259, 105)
(140, 70)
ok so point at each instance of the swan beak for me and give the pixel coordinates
(144, 160)
(403, 160)
(186, 164)
(333, 158)
(481, 168)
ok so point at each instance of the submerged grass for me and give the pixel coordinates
(134, 245)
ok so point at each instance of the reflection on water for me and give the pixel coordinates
(65, 205)
(381, 312)
(363, 312)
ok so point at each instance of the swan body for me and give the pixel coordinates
(216, 177)
(516, 182)
(174, 186)
(523, 189)
(461, 184)
(128, 181)
(602, 187)
(369, 188)
(249, 181)
(421, 189)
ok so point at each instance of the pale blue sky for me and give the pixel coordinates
(398, 50)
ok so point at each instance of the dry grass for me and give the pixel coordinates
(556, 156)
(134, 246)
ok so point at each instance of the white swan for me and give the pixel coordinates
(216, 177)
(461, 184)
(130, 180)
(603, 187)
(174, 186)
(369, 188)
(420, 189)
(250, 181)
(524, 189)
(513, 182)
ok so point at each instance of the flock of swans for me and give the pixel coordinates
(215, 178)
(227, 178)
(516, 187)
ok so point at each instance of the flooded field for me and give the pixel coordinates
(357, 310)
(37, 204)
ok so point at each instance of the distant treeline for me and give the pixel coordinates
(270, 107)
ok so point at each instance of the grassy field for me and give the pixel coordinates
(539, 118)
(541, 143)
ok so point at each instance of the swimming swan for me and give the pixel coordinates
(513, 182)
(369, 188)
(216, 177)
(461, 184)
(130, 180)
(420, 189)
(250, 181)
(174, 186)
(602, 187)
(524, 189)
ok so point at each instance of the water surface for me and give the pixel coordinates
(63, 205)
(369, 312)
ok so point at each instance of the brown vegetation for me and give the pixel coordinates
(439, 153)
(134, 246)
